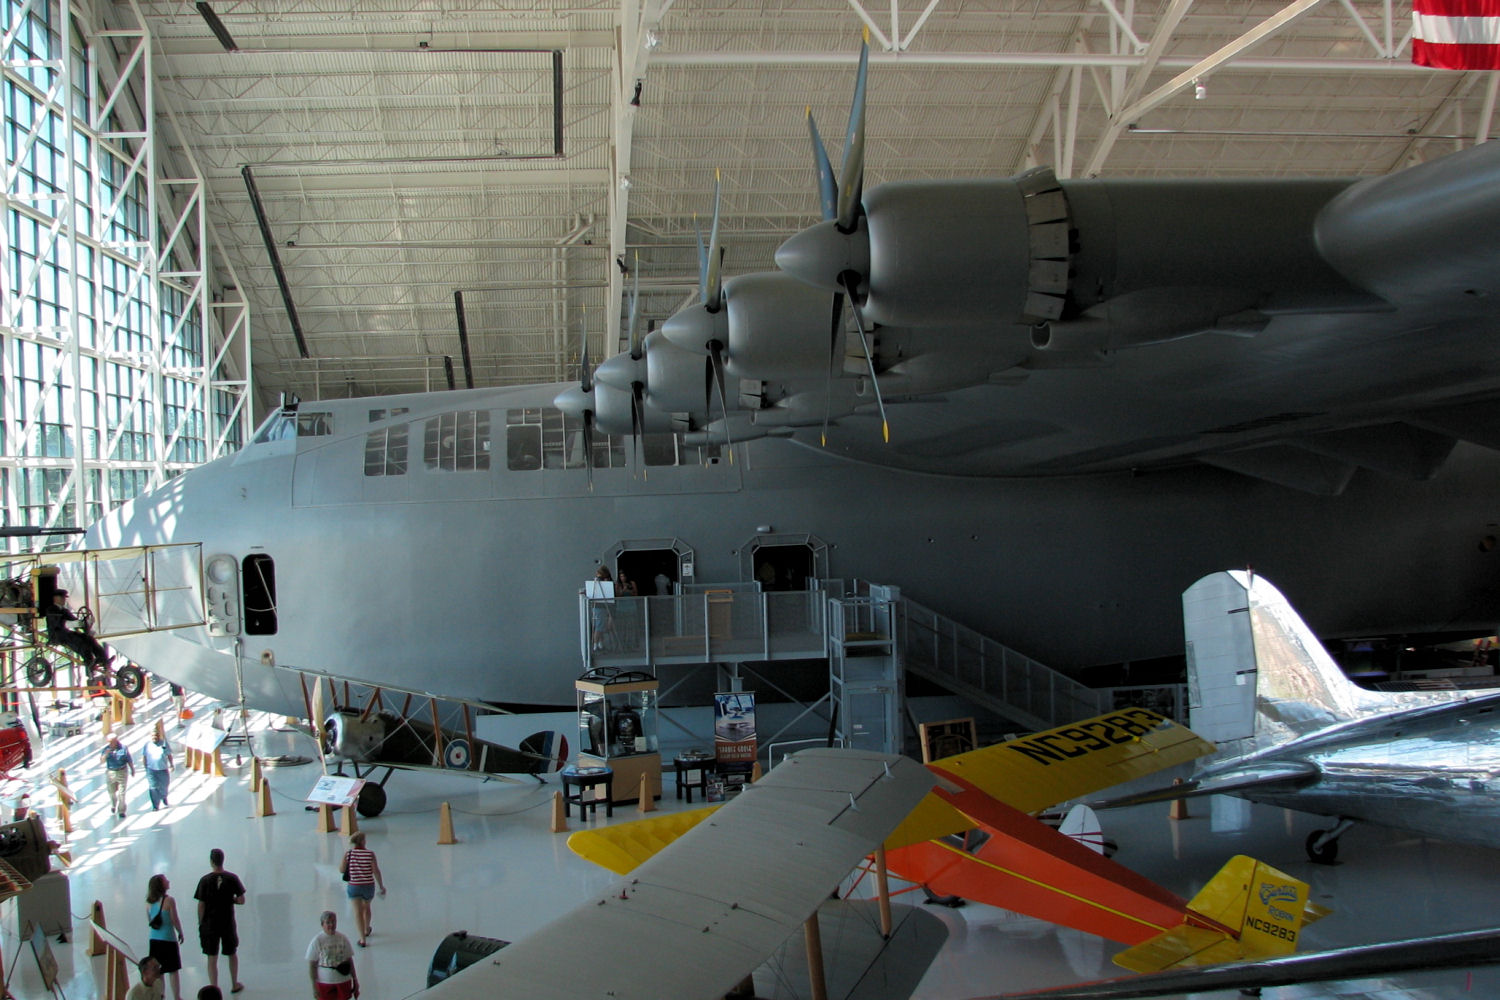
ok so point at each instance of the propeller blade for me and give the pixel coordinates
(713, 295)
(859, 323)
(702, 261)
(585, 378)
(852, 181)
(828, 192)
(635, 307)
(716, 362)
(637, 425)
(588, 446)
(833, 346)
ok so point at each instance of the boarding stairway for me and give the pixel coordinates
(868, 632)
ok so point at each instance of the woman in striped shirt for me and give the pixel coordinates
(362, 872)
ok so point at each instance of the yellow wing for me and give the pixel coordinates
(1041, 770)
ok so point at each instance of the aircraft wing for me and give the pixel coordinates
(1028, 775)
(1464, 950)
(1278, 774)
(727, 894)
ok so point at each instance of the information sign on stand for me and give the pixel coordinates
(336, 790)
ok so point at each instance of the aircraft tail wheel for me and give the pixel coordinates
(130, 681)
(456, 755)
(371, 800)
(1324, 855)
(39, 671)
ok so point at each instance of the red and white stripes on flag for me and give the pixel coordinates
(1456, 34)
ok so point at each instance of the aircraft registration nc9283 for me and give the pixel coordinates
(1097, 391)
(1293, 731)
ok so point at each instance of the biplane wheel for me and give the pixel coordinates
(371, 800)
(1325, 855)
(39, 671)
(456, 755)
(130, 681)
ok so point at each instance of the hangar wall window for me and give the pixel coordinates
(259, 587)
(385, 452)
(126, 360)
(457, 441)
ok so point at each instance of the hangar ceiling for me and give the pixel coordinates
(405, 152)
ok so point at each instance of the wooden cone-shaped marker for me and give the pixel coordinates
(216, 764)
(445, 825)
(348, 825)
(263, 800)
(96, 943)
(116, 980)
(107, 725)
(755, 772)
(325, 817)
(648, 798)
(559, 814)
(1178, 808)
(255, 775)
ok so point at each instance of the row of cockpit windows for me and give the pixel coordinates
(535, 438)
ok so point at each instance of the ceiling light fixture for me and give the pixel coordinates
(1199, 90)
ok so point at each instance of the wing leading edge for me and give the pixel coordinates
(789, 838)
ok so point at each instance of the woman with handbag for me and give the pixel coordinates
(166, 931)
(362, 872)
(330, 962)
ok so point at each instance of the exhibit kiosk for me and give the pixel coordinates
(617, 728)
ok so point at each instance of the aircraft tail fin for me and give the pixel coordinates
(1252, 658)
(1249, 910)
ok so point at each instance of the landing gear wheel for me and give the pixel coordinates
(1325, 855)
(130, 681)
(38, 671)
(371, 800)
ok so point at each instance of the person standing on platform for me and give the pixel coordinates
(118, 766)
(218, 893)
(166, 931)
(363, 874)
(330, 962)
(158, 760)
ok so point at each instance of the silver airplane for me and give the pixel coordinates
(1293, 731)
(1096, 391)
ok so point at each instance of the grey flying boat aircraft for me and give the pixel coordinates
(1095, 392)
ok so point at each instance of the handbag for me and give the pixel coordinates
(344, 871)
(345, 967)
(155, 922)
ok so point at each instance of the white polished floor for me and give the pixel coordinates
(508, 875)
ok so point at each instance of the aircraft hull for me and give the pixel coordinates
(468, 583)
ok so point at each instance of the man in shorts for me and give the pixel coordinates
(218, 893)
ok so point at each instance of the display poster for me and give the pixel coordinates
(734, 727)
(46, 962)
(336, 790)
(203, 736)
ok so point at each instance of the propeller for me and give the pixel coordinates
(579, 400)
(841, 205)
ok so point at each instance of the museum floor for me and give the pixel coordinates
(508, 875)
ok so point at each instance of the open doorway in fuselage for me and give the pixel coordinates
(783, 567)
(654, 572)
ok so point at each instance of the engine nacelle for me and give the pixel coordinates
(347, 735)
(778, 328)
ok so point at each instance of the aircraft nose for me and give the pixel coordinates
(820, 254)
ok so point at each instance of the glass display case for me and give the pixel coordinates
(617, 722)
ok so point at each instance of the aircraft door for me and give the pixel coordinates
(787, 565)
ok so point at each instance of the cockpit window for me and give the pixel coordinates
(314, 424)
(378, 415)
(457, 441)
(279, 426)
(385, 451)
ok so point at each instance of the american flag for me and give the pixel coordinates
(1456, 34)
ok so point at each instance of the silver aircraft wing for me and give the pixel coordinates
(1463, 950)
(1276, 774)
(720, 899)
